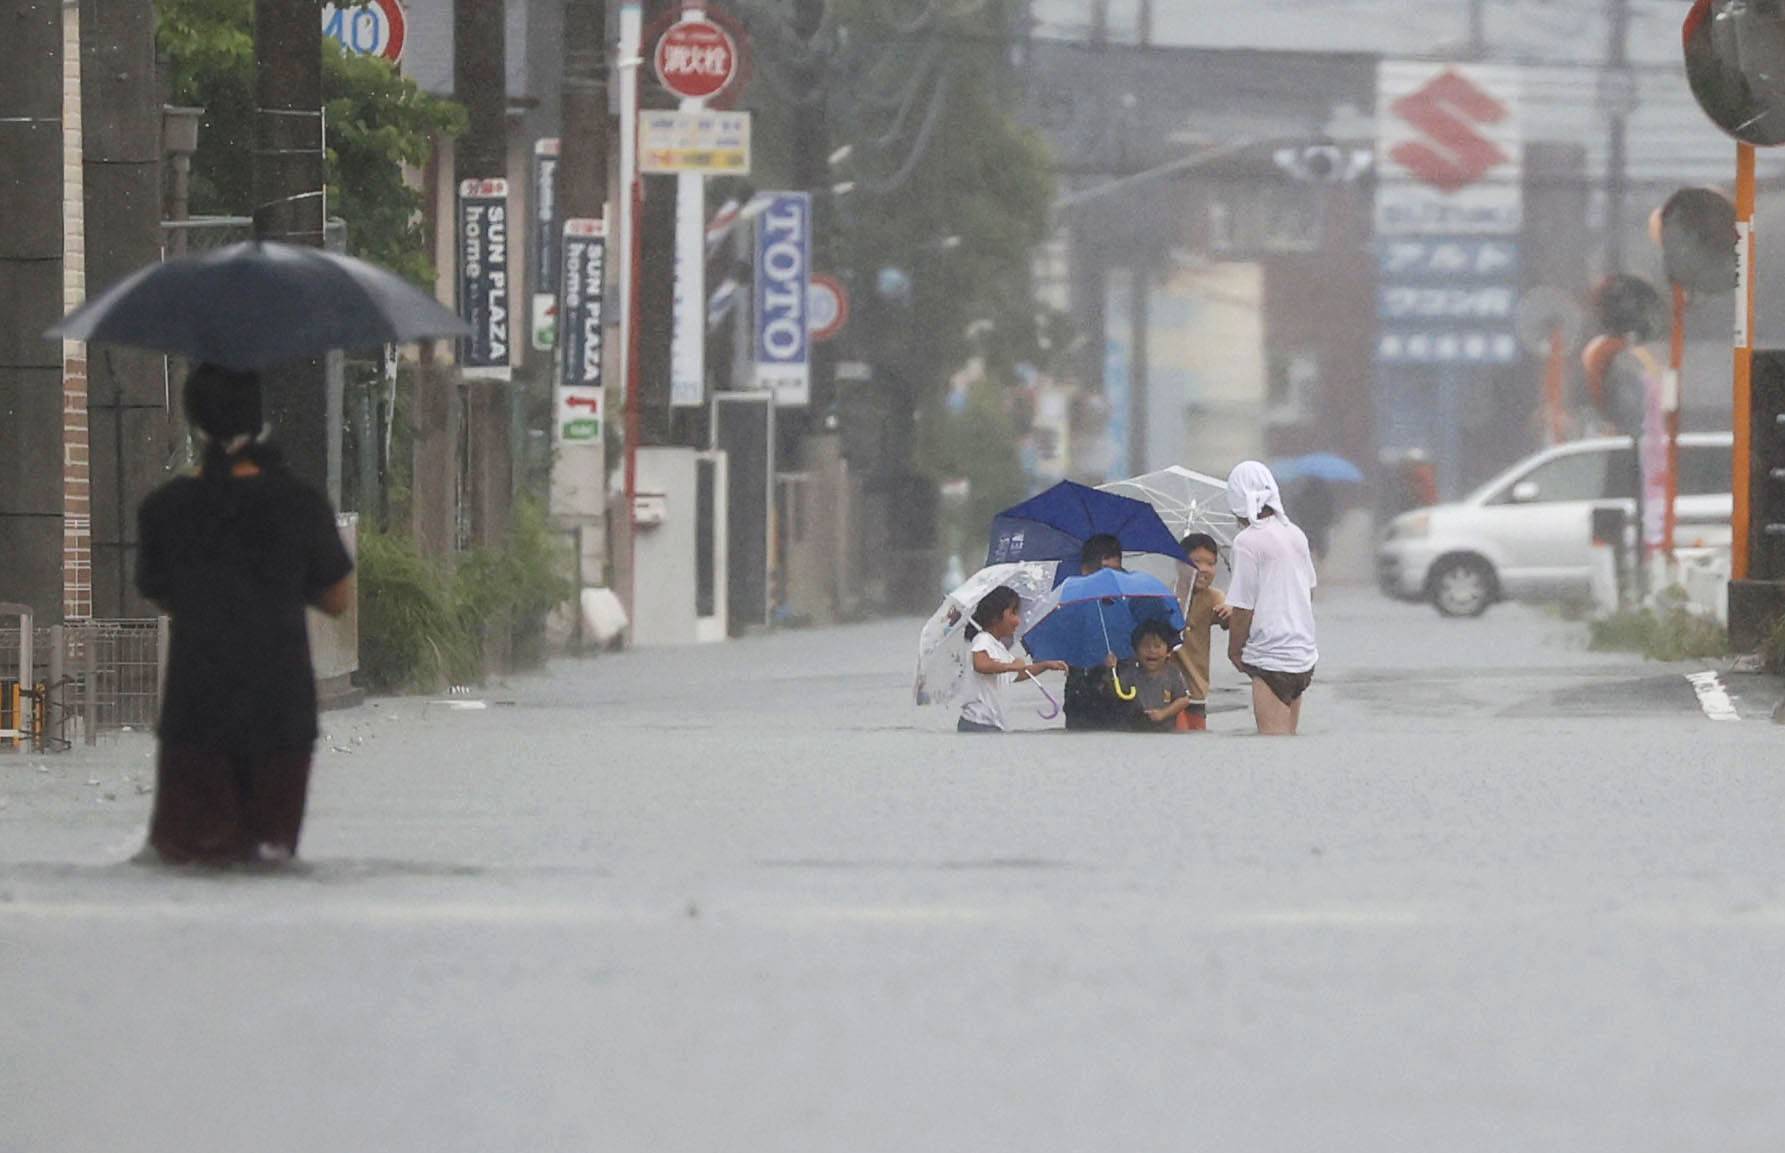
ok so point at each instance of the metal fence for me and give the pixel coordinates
(94, 677)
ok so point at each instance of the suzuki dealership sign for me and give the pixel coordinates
(783, 290)
(1450, 152)
(1449, 208)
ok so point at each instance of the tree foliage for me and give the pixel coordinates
(377, 122)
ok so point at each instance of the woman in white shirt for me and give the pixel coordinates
(1271, 636)
(994, 626)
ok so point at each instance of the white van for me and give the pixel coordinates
(1527, 534)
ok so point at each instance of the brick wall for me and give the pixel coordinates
(77, 510)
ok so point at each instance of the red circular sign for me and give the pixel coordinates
(828, 307)
(696, 59)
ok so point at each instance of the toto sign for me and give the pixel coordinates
(696, 59)
(783, 293)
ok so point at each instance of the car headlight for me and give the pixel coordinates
(1411, 526)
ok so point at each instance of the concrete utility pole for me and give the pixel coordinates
(1620, 87)
(1477, 41)
(130, 430)
(289, 203)
(1143, 24)
(811, 172)
(579, 482)
(657, 258)
(31, 287)
(480, 84)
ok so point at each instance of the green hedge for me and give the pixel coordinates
(424, 624)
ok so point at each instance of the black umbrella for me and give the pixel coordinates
(253, 305)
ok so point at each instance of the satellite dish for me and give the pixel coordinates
(1732, 49)
(1543, 312)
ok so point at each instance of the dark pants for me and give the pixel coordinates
(220, 808)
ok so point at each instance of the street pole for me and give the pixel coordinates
(480, 83)
(1478, 45)
(1676, 363)
(1744, 360)
(812, 173)
(628, 247)
(289, 198)
(1621, 84)
(580, 471)
(128, 401)
(31, 282)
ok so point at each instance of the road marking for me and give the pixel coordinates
(1713, 698)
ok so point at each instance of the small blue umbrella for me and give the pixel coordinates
(1325, 466)
(1055, 526)
(1089, 617)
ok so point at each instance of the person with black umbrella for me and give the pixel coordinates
(234, 555)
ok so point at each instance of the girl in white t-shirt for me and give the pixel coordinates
(994, 626)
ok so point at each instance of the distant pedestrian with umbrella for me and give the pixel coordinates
(234, 555)
(1271, 634)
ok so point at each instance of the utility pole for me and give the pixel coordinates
(1619, 85)
(811, 172)
(656, 289)
(1477, 42)
(290, 203)
(128, 419)
(31, 501)
(1143, 24)
(579, 481)
(480, 84)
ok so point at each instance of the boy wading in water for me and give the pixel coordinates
(1091, 703)
(1204, 608)
(1271, 635)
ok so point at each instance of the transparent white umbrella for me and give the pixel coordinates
(944, 655)
(1186, 500)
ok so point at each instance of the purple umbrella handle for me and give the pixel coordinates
(1053, 705)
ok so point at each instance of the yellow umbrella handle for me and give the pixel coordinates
(1121, 693)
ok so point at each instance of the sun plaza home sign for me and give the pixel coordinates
(483, 278)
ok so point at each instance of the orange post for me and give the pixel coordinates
(1555, 377)
(1744, 357)
(1676, 363)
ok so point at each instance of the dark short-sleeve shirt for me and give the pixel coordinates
(235, 570)
(1154, 691)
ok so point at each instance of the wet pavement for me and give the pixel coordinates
(1504, 894)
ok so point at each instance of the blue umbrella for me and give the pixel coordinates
(1318, 466)
(1056, 525)
(1089, 617)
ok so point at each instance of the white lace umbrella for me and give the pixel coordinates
(1186, 500)
(944, 655)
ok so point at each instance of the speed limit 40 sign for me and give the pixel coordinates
(377, 28)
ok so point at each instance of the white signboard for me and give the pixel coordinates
(1450, 150)
(704, 142)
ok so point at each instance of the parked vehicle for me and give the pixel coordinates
(1527, 534)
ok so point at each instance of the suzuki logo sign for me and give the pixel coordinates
(1451, 150)
(1452, 154)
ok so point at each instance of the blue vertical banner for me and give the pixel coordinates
(545, 243)
(485, 297)
(783, 288)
